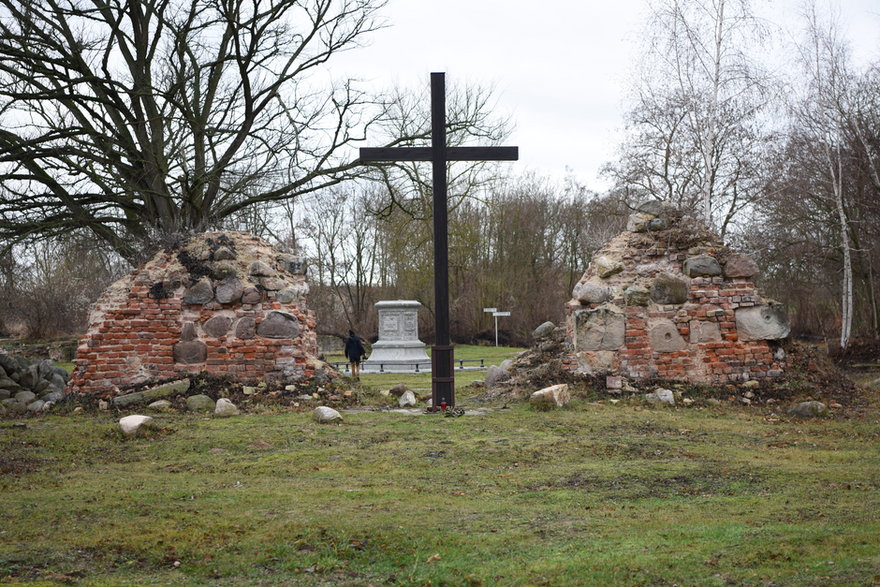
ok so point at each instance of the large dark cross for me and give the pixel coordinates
(442, 373)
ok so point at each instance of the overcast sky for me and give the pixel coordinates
(561, 68)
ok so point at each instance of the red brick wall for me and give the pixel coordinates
(710, 300)
(143, 331)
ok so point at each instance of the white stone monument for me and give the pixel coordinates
(398, 347)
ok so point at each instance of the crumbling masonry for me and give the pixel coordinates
(666, 299)
(225, 304)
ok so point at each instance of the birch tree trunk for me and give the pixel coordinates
(846, 295)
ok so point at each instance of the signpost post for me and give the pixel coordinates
(497, 314)
(442, 374)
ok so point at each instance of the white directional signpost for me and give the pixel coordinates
(496, 313)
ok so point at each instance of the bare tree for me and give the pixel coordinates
(139, 120)
(825, 114)
(696, 130)
(817, 233)
(470, 117)
(343, 238)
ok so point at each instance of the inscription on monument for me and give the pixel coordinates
(390, 326)
(411, 326)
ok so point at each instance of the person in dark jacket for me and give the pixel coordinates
(354, 352)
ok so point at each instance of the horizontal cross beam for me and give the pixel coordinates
(427, 154)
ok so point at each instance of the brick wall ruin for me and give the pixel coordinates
(666, 299)
(225, 303)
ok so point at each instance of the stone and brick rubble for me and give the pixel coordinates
(225, 304)
(667, 300)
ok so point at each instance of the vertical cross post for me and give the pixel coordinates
(442, 373)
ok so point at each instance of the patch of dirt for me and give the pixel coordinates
(702, 482)
(860, 352)
(12, 464)
(810, 372)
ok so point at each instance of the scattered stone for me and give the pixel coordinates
(398, 390)
(687, 401)
(385, 392)
(325, 415)
(751, 384)
(200, 403)
(660, 396)
(135, 424)
(544, 330)
(249, 390)
(25, 397)
(15, 407)
(811, 409)
(154, 393)
(702, 266)
(36, 406)
(551, 397)
(745, 401)
(408, 399)
(613, 383)
(225, 408)
(103, 405)
(713, 401)
(162, 405)
(495, 375)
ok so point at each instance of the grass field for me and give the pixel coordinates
(591, 494)
(421, 382)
